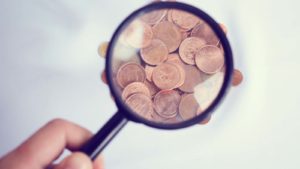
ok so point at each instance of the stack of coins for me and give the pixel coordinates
(177, 52)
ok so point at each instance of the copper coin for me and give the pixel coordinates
(135, 87)
(138, 34)
(189, 49)
(181, 71)
(166, 103)
(129, 73)
(169, 34)
(210, 59)
(188, 107)
(204, 31)
(141, 105)
(149, 71)
(184, 19)
(237, 78)
(155, 53)
(192, 79)
(152, 88)
(166, 76)
(154, 17)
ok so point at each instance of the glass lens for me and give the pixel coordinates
(167, 65)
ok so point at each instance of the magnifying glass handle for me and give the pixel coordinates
(101, 139)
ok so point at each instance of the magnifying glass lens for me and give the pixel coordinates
(167, 65)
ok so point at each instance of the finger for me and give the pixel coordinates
(103, 77)
(237, 78)
(98, 163)
(225, 30)
(76, 161)
(49, 142)
(206, 120)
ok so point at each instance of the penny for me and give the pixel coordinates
(237, 78)
(166, 76)
(189, 49)
(155, 53)
(154, 17)
(184, 19)
(169, 15)
(192, 79)
(152, 88)
(210, 59)
(141, 105)
(188, 107)
(138, 34)
(129, 73)
(149, 71)
(135, 87)
(204, 31)
(169, 34)
(166, 103)
(181, 72)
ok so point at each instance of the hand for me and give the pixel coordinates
(47, 144)
(236, 80)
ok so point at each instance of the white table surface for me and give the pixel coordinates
(49, 68)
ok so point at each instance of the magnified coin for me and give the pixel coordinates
(169, 34)
(166, 103)
(166, 76)
(141, 104)
(135, 87)
(155, 53)
(189, 49)
(149, 71)
(129, 73)
(210, 59)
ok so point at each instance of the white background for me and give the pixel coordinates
(49, 68)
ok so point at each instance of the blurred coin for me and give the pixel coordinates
(188, 107)
(184, 19)
(135, 87)
(155, 53)
(129, 73)
(138, 34)
(154, 17)
(204, 31)
(166, 76)
(141, 105)
(210, 59)
(237, 78)
(181, 71)
(193, 78)
(166, 103)
(189, 49)
(169, 34)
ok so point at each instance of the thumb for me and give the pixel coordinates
(75, 161)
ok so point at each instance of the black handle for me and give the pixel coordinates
(100, 140)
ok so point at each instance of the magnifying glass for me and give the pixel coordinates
(168, 66)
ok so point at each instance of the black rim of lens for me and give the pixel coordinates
(228, 63)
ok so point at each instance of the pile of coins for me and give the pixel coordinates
(174, 52)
